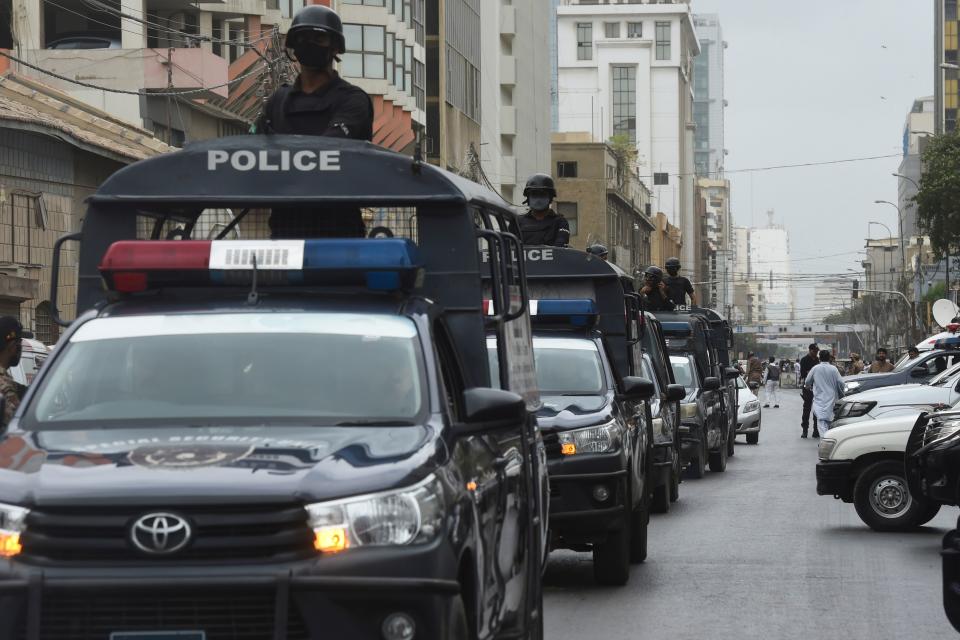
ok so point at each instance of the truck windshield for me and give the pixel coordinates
(683, 371)
(234, 368)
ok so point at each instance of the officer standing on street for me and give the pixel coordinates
(807, 363)
(678, 287)
(11, 334)
(320, 103)
(654, 291)
(541, 225)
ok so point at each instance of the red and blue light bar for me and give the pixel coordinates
(577, 313)
(387, 264)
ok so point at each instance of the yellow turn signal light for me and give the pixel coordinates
(10, 544)
(330, 539)
(568, 449)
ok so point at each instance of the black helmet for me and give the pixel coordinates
(654, 273)
(598, 250)
(316, 17)
(541, 182)
(673, 263)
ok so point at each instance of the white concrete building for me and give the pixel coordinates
(717, 244)
(832, 296)
(626, 69)
(515, 92)
(709, 104)
(770, 263)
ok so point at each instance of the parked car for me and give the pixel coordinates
(933, 457)
(85, 41)
(918, 370)
(942, 391)
(748, 412)
(863, 464)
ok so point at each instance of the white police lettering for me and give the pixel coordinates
(263, 161)
(539, 255)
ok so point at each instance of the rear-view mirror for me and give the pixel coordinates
(637, 388)
(676, 393)
(711, 384)
(491, 409)
(731, 373)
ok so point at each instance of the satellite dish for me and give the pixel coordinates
(944, 311)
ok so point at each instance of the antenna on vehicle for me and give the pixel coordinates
(253, 298)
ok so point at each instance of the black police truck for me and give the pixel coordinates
(595, 417)
(281, 439)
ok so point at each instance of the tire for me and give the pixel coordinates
(675, 480)
(698, 466)
(459, 625)
(660, 500)
(718, 459)
(611, 560)
(639, 522)
(883, 501)
(731, 441)
(753, 438)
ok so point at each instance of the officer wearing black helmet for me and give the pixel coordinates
(654, 291)
(541, 225)
(320, 102)
(598, 250)
(678, 287)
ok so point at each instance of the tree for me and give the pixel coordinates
(938, 201)
(625, 151)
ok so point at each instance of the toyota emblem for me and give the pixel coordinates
(160, 533)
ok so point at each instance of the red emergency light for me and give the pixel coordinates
(131, 266)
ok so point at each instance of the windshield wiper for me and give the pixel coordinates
(375, 423)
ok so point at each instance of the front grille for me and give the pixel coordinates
(243, 533)
(937, 430)
(229, 615)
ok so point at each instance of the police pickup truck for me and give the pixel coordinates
(280, 439)
(595, 418)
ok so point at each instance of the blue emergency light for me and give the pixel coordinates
(578, 313)
(381, 265)
(947, 343)
(677, 329)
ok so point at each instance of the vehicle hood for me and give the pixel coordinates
(902, 422)
(872, 377)
(204, 463)
(560, 414)
(902, 394)
(744, 396)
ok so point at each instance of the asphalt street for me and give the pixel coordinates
(755, 553)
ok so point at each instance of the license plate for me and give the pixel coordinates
(158, 635)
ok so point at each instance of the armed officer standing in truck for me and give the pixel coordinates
(320, 103)
(541, 225)
(654, 291)
(678, 287)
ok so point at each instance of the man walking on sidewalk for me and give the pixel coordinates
(807, 363)
(771, 381)
(826, 384)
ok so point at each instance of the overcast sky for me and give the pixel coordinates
(815, 81)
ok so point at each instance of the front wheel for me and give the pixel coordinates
(731, 441)
(459, 626)
(698, 466)
(611, 560)
(883, 500)
(660, 498)
(753, 438)
(639, 524)
(718, 459)
(675, 479)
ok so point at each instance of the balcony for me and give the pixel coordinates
(508, 121)
(508, 70)
(508, 21)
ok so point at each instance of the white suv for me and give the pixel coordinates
(863, 463)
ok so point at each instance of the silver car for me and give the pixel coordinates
(748, 412)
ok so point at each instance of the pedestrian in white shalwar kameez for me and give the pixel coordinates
(827, 386)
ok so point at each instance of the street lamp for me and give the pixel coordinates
(949, 67)
(900, 175)
(903, 257)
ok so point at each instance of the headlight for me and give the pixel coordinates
(856, 409)
(11, 526)
(750, 407)
(602, 439)
(853, 385)
(938, 431)
(407, 516)
(688, 410)
(826, 448)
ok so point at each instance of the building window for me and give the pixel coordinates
(661, 179)
(663, 40)
(625, 102)
(46, 330)
(569, 211)
(634, 29)
(566, 169)
(584, 41)
(950, 9)
(611, 29)
(365, 56)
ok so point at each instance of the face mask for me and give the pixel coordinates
(539, 203)
(313, 55)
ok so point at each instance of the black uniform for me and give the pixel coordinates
(807, 363)
(552, 231)
(339, 110)
(678, 288)
(656, 302)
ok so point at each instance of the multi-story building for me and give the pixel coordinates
(832, 295)
(666, 241)
(626, 70)
(770, 263)
(946, 58)
(708, 98)
(716, 251)
(515, 119)
(603, 200)
(916, 131)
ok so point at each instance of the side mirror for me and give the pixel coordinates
(676, 393)
(711, 384)
(491, 410)
(731, 374)
(919, 372)
(637, 388)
